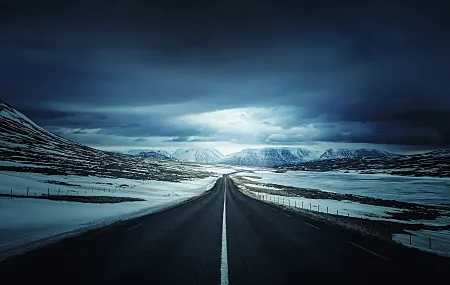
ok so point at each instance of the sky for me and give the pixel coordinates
(231, 74)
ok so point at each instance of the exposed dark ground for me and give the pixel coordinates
(432, 164)
(80, 199)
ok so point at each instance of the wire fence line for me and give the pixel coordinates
(58, 191)
(341, 217)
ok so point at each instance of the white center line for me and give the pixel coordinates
(367, 250)
(317, 228)
(224, 263)
(134, 227)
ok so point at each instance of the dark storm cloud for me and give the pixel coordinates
(371, 71)
(125, 125)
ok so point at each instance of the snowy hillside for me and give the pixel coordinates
(355, 153)
(26, 147)
(304, 154)
(435, 164)
(269, 156)
(199, 155)
(158, 154)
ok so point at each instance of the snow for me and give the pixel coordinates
(12, 114)
(158, 154)
(440, 240)
(199, 155)
(261, 186)
(409, 189)
(269, 156)
(16, 164)
(420, 190)
(96, 186)
(26, 220)
(344, 207)
(219, 169)
(355, 152)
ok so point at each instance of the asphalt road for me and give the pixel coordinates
(223, 237)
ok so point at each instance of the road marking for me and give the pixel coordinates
(133, 227)
(224, 263)
(367, 250)
(317, 228)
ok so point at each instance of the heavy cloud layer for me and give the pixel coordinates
(251, 72)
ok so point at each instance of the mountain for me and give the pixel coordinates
(444, 153)
(355, 153)
(435, 164)
(304, 154)
(199, 155)
(26, 147)
(158, 154)
(269, 156)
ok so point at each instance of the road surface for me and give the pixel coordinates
(223, 237)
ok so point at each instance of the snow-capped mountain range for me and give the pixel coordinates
(26, 147)
(264, 157)
(355, 153)
(199, 155)
(269, 156)
(155, 153)
(287, 156)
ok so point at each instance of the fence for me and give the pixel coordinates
(59, 191)
(392, 230)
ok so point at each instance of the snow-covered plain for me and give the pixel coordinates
(440, 240)
(428, 191)
(420, 190)
(25, 221)
(432, 191)
(342, 208)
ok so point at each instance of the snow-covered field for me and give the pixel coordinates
(440, 240)
(342, 208)
(24, 221)
(427, 191)
(420, 190)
